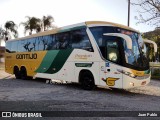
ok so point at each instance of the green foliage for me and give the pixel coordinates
(10, 28)
(47, 22)
(156, 72)
(32, 24)
(153, 35)
(37, 24)
(2, 33)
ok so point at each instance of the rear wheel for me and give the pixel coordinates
(87, 81)
(23, 73)
(17, 73)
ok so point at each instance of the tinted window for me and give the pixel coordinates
(62, 41)
(113, 51)
(8, 47)
(32, 44)
(99, 31)
(42, 43)
(98, 35)
(45, 42)
(51, 42)
(14, 46)
(24, 46)
(80, 40)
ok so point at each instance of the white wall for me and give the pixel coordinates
(2, 60)
(2, 42)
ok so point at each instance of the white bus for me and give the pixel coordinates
(92, 53)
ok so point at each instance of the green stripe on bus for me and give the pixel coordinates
(54, 61)
(47, 61)
(59, 61)
(147, 71)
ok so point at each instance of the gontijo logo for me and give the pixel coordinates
(110, 81)
(26, 56)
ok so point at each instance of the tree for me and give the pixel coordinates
(10, 28)
(150, 12)
(32, 24)
(47, 22)
(2, 33)
(155, 36)
(38, 25)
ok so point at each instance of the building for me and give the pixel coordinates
(2, 50)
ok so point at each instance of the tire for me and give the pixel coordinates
(23, 74)
(17, 73)
(87, 81)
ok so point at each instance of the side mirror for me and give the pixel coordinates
(125, 37)
(151, 42)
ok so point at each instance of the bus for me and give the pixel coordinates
(92, 53)
(153, 51)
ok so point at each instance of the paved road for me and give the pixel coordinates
(36, 95)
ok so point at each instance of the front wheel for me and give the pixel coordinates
(87, 81)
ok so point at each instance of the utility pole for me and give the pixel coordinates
(128, 12)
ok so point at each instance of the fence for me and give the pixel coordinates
(155, 70)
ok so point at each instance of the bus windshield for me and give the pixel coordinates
(132, 58)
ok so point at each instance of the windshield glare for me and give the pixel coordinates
(133, 56)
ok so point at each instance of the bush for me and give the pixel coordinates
(156, 72)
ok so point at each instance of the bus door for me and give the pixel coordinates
(112, 78)
(114, 54)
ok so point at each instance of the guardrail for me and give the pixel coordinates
(155, 70)
(154, 64)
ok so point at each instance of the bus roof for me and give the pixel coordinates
(104, 23)
(74, 26)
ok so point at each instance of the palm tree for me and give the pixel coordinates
(10, 28)
(2, 33)
(47, 22)
(32, 24)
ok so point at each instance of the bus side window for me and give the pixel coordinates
(22, 46)
(14, 47)
(80, 40)
(31, 44)
(113, 51)
(98, 34)
(19, 46)
(42, 43)
(62, 40)
(8, 47)
(51, 42)
(25, 45)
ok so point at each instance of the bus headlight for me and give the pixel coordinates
(132, 75)
(131, 84)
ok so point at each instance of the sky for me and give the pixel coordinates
(67, 12)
